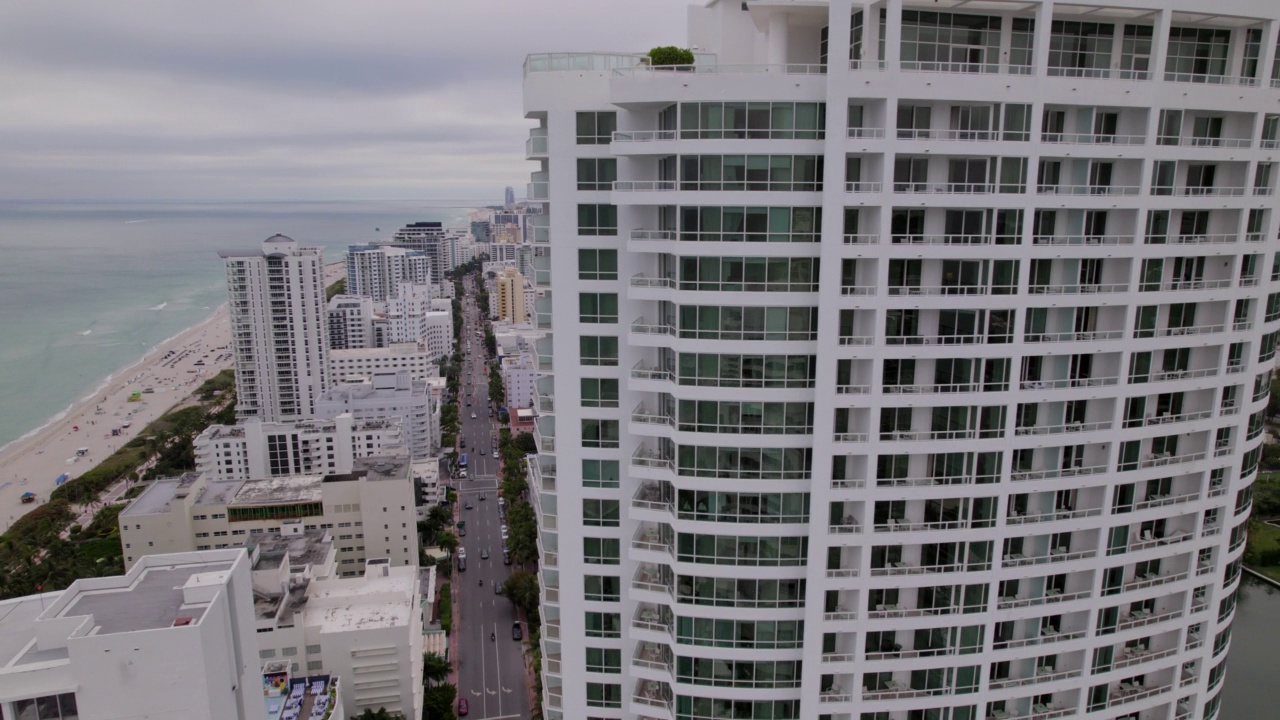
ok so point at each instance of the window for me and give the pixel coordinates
(599, 392)
(762, 634)
(601, 551)
(604, 660)
(605, 625)
(763, 120)
(602, 588)
(784, 173)
(600, 433)
(738, 673)
(598, 308)
(597, 173)
(748, 274)
(605, 695)
(747, 371)
(742, 550)
(49, 707)
(1080, 49)
(712, 322)
(598, 350)
(750, 224)
(1197, 53)
(600, 473)
(597, 264)
(600, 513)
(596, 128)
(949, 42)
(597, 220)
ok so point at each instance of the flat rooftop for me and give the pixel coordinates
(310, 547)
(375, 468)
(159, 495)
(154, 600)
(271, 491)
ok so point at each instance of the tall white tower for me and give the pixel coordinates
(279, 329)
(907, 359)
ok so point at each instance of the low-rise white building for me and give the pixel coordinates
(370, 511)
(519, 376)
(254, 449)
(367, 629)
(353, 365)
(426, 480)
(389, 395)
(171, 638)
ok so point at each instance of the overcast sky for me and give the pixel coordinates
(297, 99)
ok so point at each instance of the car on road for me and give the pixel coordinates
(463, 708)
(473, 415)
(484, 553)
(467, 506)
(516, 632)
(495, 454)
(504, 532)
(497, 588)
(506, 558)
(482, 496)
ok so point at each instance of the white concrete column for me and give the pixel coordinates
(871, 32)
(1043, 31)
(893, 34)
(1160, 43)
(839, 35)
(1268, 57)
(778, 38)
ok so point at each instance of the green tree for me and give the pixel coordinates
(447, 541)
(522, 589)
(526, 443)
(435, 669)
(438, 702)
(379, 714)
(523, 536)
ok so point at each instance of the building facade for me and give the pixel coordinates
(354, 323)
(369, 511)
(509, 296)
(387, 396)
(254, 449)
(375, 271)
(171, 638)
(279, 329)
(351, 365)
(913, 366)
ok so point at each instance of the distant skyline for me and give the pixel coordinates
(295, 99)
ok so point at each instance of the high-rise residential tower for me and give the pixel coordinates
(509, 287)
(376, 270)
(279, 329)
(913, 366)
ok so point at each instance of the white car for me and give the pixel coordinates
(504, 532)
(473, 416)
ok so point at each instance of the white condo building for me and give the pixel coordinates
(279, 330)
(906, 359)
(386, 396)
(349, 365)
(254, 449)
(375, 271)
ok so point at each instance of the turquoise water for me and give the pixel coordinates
(87, 289)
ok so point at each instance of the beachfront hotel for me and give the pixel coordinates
(279, 329)
(906, 359)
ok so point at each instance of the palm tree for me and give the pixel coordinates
(447, 541)
(434, 668)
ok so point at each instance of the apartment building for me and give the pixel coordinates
(375, 271)
(370, 511)
(366, 628)
(171, 638)
(386, 396)
(509, 296)
(254, 449)
(279, 332)
(906, 359)
(350, 365)
(354, 323)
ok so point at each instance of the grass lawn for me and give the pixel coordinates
(1265, 538)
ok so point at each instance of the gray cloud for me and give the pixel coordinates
(307, 99)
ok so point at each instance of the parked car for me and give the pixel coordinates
(516, 632)
(463, 708)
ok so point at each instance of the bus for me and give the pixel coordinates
(462, 461)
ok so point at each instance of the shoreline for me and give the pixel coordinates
(105, 383)
(163, 378)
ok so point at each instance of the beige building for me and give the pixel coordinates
(509, 286)
(366, 628)
(356, 364)
(369, 511)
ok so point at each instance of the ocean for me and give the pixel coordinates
(87, 288)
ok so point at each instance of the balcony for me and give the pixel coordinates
(652, 656)
(653, 693)
(1168, 419)
(953, 290)
(1063, 428)
(1042, 675)
(1046, 636)
(1017, 519)
(1094, 190)
(643, 136)
(1055, 556)
(1203, 79)
(864, 133)
(1126, 693)
(947, 239)
(536, 146)
(863, 187)
(1092, 139)
(1050, 596)
(651, 496)
(1068, 383)
(653, 617)
(1093, 336)
(1082, 240)
(914, 188)
(1093, 289)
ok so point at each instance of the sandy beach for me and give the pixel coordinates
(162, 379)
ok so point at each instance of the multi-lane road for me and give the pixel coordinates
(491, 674)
